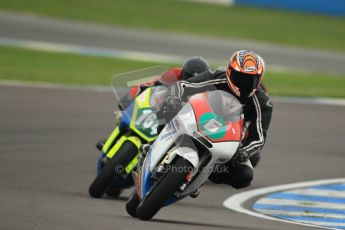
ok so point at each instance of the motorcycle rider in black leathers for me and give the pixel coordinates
(242, 78)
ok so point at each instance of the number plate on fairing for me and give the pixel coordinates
(147, 122)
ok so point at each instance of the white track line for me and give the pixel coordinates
(141, 56)
(90, 51)
(237, 201)
(304, 214)
(301, 203)
(322, 224)
(214, 2)
(318, 192)
(42, 85)
(312, 100)
(113, 53)
(95, 88)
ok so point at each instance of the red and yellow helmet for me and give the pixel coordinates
(245, 72)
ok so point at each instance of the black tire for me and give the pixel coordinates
(120, 160)
(165, 188)
(132, 204)
(111, 192)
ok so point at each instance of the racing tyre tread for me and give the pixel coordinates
(165, 188)
(132, 204)
(123, 157)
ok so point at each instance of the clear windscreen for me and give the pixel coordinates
(225, 105)
(158, 96)
(123, 84)
(140, 95)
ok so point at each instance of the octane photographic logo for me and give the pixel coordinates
(222, 168)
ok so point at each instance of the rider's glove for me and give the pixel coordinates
(172, 104)
(170, 108)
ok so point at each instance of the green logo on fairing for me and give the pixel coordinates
(212, 125)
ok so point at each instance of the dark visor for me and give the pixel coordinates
(245, 82)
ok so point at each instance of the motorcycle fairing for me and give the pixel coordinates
(137, 115)
(166, 139)
(214, 127)
(188, 122)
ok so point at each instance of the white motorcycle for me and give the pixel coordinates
(205, 133)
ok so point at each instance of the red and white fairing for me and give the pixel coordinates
(222, 131)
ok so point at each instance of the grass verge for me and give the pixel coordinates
(18, 64)
(38, 66)
(170, 15)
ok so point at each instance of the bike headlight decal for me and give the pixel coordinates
(212, 125)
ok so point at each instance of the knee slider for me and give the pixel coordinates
(242, 176)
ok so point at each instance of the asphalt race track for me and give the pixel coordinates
(48, 160)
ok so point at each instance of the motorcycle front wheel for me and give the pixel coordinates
(164, 189)
(113, 169)
(132, 204)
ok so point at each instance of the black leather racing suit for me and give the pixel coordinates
(257, 114)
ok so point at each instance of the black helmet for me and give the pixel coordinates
(193, 66)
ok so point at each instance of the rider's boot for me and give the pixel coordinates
(100, 144)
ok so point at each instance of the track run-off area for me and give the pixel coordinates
(316, 203)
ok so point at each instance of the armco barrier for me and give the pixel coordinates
(330, 7)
